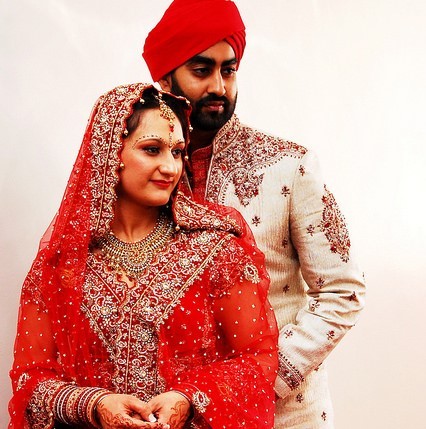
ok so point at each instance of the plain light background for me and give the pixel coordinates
(344, 78)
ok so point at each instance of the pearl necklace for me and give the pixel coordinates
(133, 258)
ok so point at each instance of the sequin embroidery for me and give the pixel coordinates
(239, 157)
(334, 227)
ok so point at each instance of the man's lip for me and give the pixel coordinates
(214, 106)
(214, 103)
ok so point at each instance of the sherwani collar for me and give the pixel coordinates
(226, 135)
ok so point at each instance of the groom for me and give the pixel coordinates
(317, 290)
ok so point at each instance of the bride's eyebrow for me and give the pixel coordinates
(149, 137)
(158, 138)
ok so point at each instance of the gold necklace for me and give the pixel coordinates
(133, 258)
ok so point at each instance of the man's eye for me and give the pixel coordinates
(201, 71)
(228, 71)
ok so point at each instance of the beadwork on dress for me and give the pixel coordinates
(134, 258)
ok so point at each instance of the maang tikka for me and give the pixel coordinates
(167, 113)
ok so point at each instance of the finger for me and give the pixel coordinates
(122, 421)
(141, 409)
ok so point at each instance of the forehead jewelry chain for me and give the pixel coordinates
(167, 113)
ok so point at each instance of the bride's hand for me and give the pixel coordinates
(171, 408)
(117, 411)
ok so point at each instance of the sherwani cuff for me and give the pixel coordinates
(289, 377)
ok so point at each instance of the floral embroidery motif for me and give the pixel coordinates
(334, 227)
(31, 290)
(330, 335)
(353, 297)
(285, 191)
(289, 373)
(286, 288)
(256, 221)
(302, 170)
(200, 401)
(240, 155)
(314, 304)
(22, 380)
(320, 282)
(234, 265)
(310, 229)
(324, 416)
(300, 398)
(288, 333)
(284, 242)
(251, 273)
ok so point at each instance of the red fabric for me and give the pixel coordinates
(200, 164)
(189, 27)
(229, 349)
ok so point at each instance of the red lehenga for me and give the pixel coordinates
(197, 319)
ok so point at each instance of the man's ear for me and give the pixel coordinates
(166, 83)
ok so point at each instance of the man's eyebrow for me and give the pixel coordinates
(200, 59)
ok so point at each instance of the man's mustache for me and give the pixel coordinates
(209, 98)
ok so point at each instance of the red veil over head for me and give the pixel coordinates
(55, 339)
(86, 212)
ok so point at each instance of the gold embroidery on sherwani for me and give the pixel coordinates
(239, 157)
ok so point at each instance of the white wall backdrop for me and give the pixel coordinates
(344, 78)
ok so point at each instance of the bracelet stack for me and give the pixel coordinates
(77, 405)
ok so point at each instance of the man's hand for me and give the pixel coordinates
(117, 411)
(171, 408)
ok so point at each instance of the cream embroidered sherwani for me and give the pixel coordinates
(317, 290)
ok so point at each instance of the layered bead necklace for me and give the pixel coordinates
(134, 258)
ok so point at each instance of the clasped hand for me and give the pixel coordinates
(169, 410)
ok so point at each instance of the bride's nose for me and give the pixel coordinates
(168, 164)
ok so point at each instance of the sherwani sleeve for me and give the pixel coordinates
(335, 285)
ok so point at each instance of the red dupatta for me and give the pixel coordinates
(53, 284)
(52, 292)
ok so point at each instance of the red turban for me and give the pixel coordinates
(189, 27)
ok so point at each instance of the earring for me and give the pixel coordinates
(122, 166)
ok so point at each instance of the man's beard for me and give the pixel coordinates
(206, 121)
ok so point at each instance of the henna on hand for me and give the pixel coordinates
(180, 413)
(111, 420)
(120, 411)
(114, 421)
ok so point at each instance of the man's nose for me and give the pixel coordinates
(217, 84)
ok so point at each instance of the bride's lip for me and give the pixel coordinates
(162, 183)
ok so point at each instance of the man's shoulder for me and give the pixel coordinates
(272, 143)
